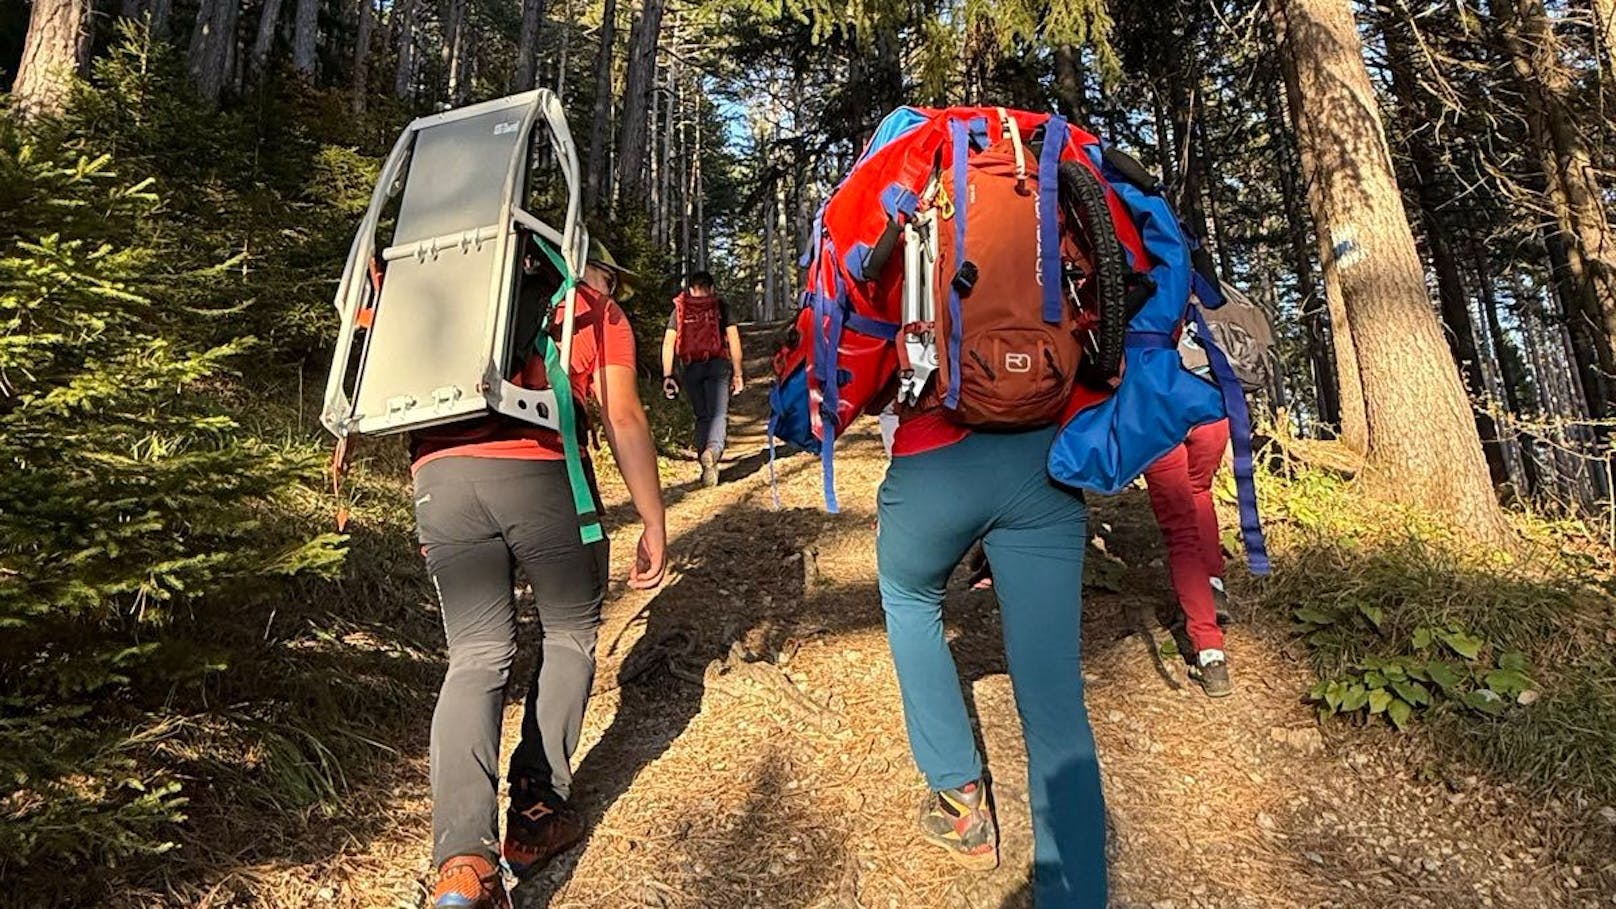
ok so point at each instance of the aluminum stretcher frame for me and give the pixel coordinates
(418, 385)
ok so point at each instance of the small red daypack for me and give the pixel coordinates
(698, 335)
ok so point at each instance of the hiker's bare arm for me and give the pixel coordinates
(628, 432)
(667, 353)
(734, 336)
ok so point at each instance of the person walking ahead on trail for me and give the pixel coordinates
(491, 497)
(707, 346)
(1180, 485)
(944, 490)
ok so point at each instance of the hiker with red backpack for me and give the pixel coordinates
(492, 495)
(990, 268)
(706, 346)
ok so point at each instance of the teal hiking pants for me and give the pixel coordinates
(933, 506)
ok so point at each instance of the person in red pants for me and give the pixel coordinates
(1180, 485)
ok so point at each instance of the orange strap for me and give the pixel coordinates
(337, 469)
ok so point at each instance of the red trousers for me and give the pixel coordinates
(1181, 496)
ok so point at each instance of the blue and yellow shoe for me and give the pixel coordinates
(961, 821)
(470, 882)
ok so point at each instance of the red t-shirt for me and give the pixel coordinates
(601, 337)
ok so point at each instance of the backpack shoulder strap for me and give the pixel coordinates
(1049, 267)
(1234, 404)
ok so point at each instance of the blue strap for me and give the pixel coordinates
(897, 199)
(829, 313)
(956, 331)
(875, 328)
(1234, 404)
(827, 470)
(1158, 340)
(1210, 295)
(1049, 268)
(979, 132)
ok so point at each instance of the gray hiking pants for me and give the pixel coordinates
(708, 383)
(478, 518)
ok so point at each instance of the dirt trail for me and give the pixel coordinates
(791, 785)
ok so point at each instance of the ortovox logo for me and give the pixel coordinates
(501, 129)
(1018, 362)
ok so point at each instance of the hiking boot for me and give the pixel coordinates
(539, 826)
(1211, 670)
(961, 821)
(470, 882)
(709, 468)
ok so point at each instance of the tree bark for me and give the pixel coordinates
(305, 37)
(1574, 190)
(1310, 303)
(55, 49)
(600, 162)
(160, 12)
(361, 61)
(208, 57)
(1353, 428)
(527, 45)
(642, 66)
(404, 44)
(264, 43)
(1422, 443)
(454, 54)
(131, 9)
(1070, 89)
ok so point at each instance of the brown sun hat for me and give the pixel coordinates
(626, 280)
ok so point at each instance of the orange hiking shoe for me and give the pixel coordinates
(470, 882)
(961, 821)
(539, 825)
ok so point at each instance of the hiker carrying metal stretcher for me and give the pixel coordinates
(481, 333)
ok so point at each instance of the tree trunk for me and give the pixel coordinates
(1510, 382)
(1574, 192)
(1353, 429)
(1310, 304)
(642, 66)
(1428, 200)
(264, 43)
(1605, 28)
(600, 182)
(564, 52)
(1070, 90)
(1423, 448)
(160, 11)
(527, 45)
(404, 42)
(454, 54)
(769, 270)
(131, 9)
(56, 48)
(361, 60)
(306, 36)
(208, 57)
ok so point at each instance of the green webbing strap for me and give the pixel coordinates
(583, 498)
